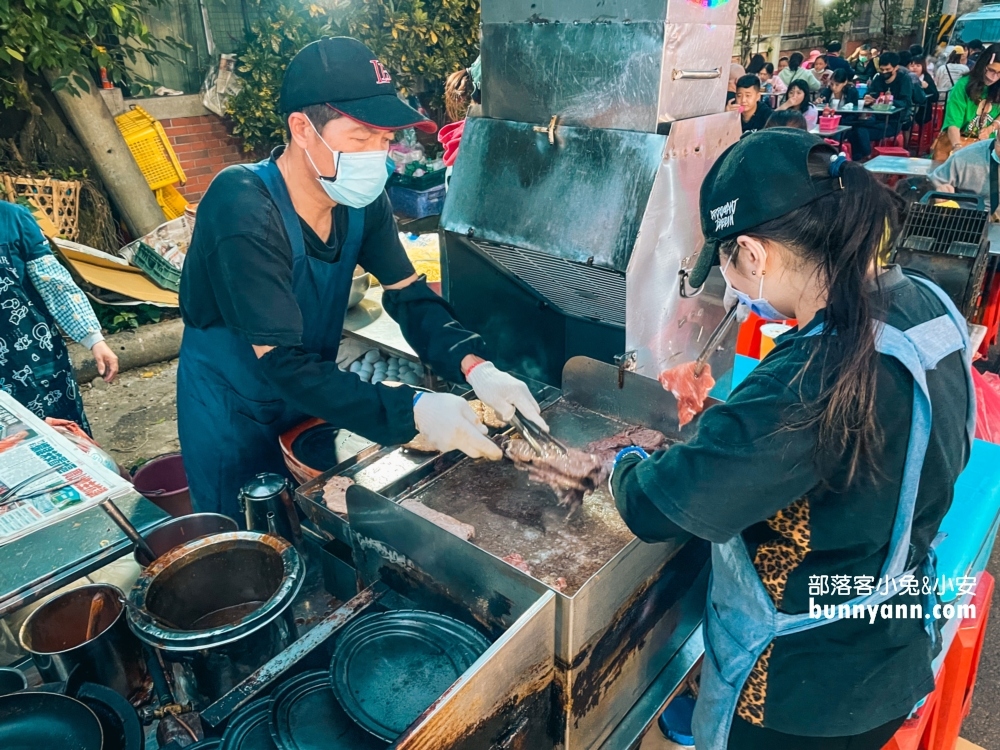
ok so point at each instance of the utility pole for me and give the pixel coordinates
(776, 53)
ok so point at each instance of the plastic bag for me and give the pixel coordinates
(987, 405)
(220, 85)
(83, 442)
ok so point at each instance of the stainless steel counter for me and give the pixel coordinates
(369, 323)
(42, 562)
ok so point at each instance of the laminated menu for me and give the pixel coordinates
(44, 478)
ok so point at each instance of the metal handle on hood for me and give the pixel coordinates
(697, 75)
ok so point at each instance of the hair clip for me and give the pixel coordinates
(837, 164)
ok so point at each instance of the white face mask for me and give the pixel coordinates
(759, 306)
(360, 178)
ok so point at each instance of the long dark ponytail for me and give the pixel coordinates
(841, 234)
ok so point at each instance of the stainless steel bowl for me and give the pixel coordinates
(359, 287)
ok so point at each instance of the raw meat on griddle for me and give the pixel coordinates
(571, 475)
(517, 561)
(335, 494)
(689, 390)
(644, 437)
(452, 525)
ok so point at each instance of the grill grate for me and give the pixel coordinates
(950, 246)
(575, 289)
(938, 229)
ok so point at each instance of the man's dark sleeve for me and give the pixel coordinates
(742, 466)
(426, 320)
(428, 324)
(319, 388)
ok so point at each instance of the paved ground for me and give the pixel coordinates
(136, 419)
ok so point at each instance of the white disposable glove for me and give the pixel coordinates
(729, 299)
(449, 423)
(504, 393)
(350, 351)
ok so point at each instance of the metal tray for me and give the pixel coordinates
(250, 728)
(388, 667)
(305, 715)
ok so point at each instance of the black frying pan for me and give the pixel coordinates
(119, 721)
(30, 721)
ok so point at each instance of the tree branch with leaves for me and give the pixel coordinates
(746, 18)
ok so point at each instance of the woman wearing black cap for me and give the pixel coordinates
(266, 284)
(826, 472)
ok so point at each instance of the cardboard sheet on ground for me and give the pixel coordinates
(115, 275)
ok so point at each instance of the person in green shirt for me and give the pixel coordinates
(974, 103)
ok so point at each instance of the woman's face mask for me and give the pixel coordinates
(360, 178)
(759, 306)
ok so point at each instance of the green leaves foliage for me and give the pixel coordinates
(421, 42)
(74, 37)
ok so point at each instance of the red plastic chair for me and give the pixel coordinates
(936, 724)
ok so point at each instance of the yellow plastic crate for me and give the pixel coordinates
(171, 201)
(150, 148)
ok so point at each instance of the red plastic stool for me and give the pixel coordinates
(936, 724)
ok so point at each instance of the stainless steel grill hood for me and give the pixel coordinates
(624, 64)
(573, 203)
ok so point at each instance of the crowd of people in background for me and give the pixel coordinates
(906, 83)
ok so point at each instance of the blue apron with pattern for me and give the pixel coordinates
(228, 413)
(741, 619)
(34, 361)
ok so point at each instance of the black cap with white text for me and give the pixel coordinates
(761, 177)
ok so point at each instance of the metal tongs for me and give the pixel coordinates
(536, 436)
(713, 340)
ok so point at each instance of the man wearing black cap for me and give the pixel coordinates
(267, 279)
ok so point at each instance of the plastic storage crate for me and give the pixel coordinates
(171, 201)
(150, 148)
(423, 182)
(158, 268)
(416, 204)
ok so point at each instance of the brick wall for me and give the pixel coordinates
(204, 147)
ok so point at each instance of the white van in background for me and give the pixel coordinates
(982, 24)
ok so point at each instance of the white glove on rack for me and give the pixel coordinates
(504, 393)
(449, 423)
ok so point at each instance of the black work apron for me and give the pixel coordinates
(229, 415)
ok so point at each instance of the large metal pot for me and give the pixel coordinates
(178, 531)
(56, 636)
(219, 607)
(359, 287)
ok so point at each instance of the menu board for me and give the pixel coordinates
(51, 478)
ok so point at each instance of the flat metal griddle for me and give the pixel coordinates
(513, 515)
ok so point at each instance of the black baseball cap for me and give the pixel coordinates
(345, 75)
(761, 177)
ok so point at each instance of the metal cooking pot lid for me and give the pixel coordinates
(250, 728)
(306, 716)
(388, 667)
(264, 486)
(29, 721)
